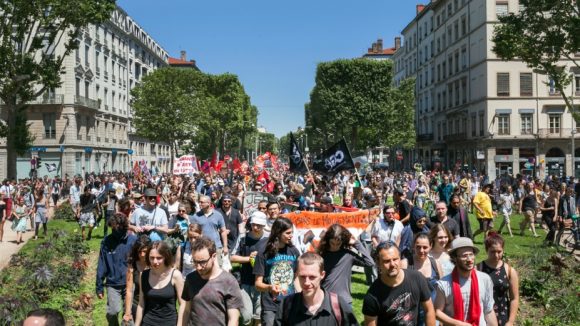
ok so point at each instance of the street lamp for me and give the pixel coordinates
(538, 72)
(573, 130)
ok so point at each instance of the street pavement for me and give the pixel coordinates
(8, 246)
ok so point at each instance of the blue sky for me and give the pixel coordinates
(273, 46)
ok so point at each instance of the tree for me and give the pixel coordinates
(355, 99)
(167, 104)
(31, 32)
(542, 34)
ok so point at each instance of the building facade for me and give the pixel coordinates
(475, 111)
(84, 126)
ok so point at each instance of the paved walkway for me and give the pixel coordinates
(8, 246)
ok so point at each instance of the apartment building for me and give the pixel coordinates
(474, 111)
(85, 125)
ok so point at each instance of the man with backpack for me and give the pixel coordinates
(313, 304)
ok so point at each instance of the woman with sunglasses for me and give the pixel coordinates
(336, 247)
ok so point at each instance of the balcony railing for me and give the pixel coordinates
(48, 99)
(87, 102)
(425, 137)
(551, 133)
(462, 136)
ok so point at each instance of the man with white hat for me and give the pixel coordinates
(244, 253)
(465, 297)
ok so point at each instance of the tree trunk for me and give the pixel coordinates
(172, 151)
(11, 155)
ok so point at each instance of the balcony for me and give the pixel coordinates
(462, 136)
(555, 133)
(425, 137)
(87, 102)
(48, 99)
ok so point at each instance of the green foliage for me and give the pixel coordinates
(193, 111)
(36, 274)
(355, 99)
(30, 32)
(542, 34)
(65, 212)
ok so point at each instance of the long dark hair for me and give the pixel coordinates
(333, 232)
(142, 242)
(280, 226)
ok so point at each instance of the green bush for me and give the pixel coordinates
(64, 212)
(32, 277)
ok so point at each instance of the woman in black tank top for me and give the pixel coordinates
(160, 287)
(549, 215)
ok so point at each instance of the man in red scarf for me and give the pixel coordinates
(465, 297)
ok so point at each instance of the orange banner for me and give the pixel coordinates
(311, 220)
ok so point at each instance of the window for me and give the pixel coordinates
(87, 87)
(481, 124)
(554, 123)
(77, 86)
(503, 84)
(526, 87)
(87, 49)
(464, 90)
(503, 124)
(553, 89)
(464, 57)
(577, 84)
(463, 25)
(527, 124)
(49, 120)
(501, 9)
(473, 126)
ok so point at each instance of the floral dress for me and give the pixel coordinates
(19, 224)
(501, 291)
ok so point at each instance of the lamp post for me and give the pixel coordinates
(538, 72)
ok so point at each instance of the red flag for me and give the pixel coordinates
(136, 170)
(236, 165)
(205, 167)
(219, 165)
(213, 161)
(264, 176)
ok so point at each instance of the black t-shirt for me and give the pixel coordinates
(246, 247)
(404, 208)
(450, 223)
(397, 306)
(281, 270)
(232, 221)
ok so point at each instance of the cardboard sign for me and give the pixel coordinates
(185, 164)
(251, 200)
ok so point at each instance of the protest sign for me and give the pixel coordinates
(185, 164)
(251, 200)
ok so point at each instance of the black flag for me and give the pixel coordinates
(297, 163)
(334, 159)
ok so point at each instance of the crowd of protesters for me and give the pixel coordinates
(188, 239)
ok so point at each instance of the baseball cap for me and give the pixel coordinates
(258, 218)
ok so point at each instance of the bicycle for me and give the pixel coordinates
(567, 235)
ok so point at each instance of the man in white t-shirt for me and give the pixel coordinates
(387, 229)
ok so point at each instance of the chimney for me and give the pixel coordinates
(397, 43)
(380, 45)
(420, 8)
(183, 55)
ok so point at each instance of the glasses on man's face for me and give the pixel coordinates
(467, 256)
(151, 198)
(200, 263)
(226, 201)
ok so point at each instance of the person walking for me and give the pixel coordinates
(112, 266)
(341, 251)
(506, 293)
(528, 206)
(40, 213)
(160, 287)
(21, 214)
(136, 264)
(315, 305)
(275, 269)
(483, 209)
(211, 296)
(394, 298)
(465, 297)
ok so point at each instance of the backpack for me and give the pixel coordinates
(289, 302)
